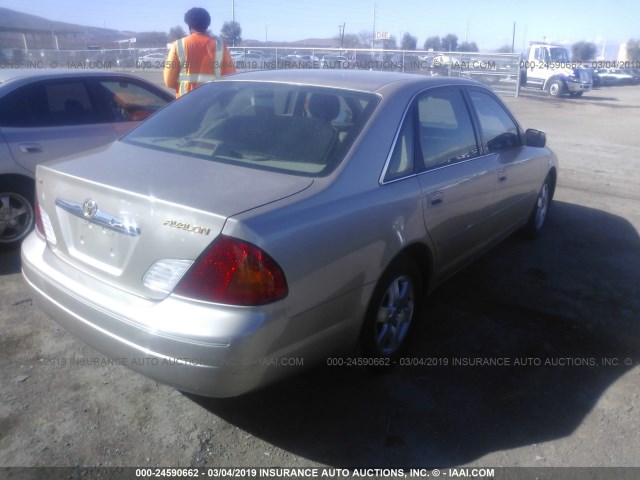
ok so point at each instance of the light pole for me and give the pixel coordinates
(373, 31)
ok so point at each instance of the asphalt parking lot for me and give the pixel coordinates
(528, 357)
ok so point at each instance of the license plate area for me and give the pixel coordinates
(97, 238)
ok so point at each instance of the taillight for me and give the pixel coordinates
(39, 224)
(234, 272)
(43, 225)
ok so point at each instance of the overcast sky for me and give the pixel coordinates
(489, 23)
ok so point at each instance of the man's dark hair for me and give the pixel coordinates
(198, 19)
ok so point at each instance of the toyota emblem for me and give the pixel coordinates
(89, 208)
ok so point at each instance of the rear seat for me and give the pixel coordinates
(305, 139)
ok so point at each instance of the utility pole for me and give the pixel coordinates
(233, 10)
(513, 38)
(373, 33)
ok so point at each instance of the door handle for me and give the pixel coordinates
(434, 199)
(502, 175)
(30, 148)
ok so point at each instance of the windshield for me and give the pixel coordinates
(290, 128)
(558, 55)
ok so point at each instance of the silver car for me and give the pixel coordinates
(270, 220)
(46, 114)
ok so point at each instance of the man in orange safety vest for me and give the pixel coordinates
(197, 58)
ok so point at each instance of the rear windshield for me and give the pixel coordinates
(288, 128)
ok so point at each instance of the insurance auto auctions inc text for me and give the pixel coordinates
(326, 473)
(386, 473)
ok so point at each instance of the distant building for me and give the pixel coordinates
(35, 38)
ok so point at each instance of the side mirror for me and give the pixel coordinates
(535, 138)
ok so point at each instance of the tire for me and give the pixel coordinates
(17, 214)
(556, 88)
(540, 210)
(394, 305)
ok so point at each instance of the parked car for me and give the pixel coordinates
(252, 61)
(152, 60)
(291, 61)
(613, 76)
(407, 63)
(366, 61)
(310, 61)
(597, 80)
(441, 65)
(46, 114)
(269, 220)
(634, 73)
(101, 59)
(334, 61)
(442, 60)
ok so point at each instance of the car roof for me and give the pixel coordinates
(362, 80)
(37, 73)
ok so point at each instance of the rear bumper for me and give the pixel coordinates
(210, 350)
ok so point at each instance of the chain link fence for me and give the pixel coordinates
(498, 70)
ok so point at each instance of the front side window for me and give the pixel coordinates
(129, 101)
(446, 132)
(498, 130)
(290, 128)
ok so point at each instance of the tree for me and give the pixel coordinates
(231, 32)
(175, 33)
(450, 43)
(151, 39)
(633, 50)
(365, 38)
(504, 49)
(390, 43)
(433, 43)
(583, 51)
(409, 42)
(468, 47)
(350, 40)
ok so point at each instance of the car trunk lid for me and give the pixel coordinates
(129, 212)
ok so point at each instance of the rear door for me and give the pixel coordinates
(50, 119)
(457, 182)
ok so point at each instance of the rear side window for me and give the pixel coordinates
(44, 104)
(401, 163)
(498, 130)
(288, 128)
(446, 132)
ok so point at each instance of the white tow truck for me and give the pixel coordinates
(549, 68)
